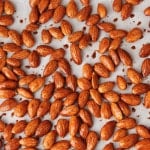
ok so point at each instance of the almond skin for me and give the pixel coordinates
(145, 50)
(147, 11)
(71, 9)
(43, 128)
(145, 68)
(66, 27)
(76, 53)
(49, 139)
(117, 5)
(29, 142)
(125, 57)
(101, 10)
(56, 33)
(134, 75)
(63, 144)
(131, 99)
(127, 123)
(47, 91)
(1, 7)
(134, 35)
(107, 130)
(62, 127)
(119, 134)
(126, 11)
(83, 83)
(106, 110)
(92, 140)
(128, 141)
(6, 20)
(84, 13)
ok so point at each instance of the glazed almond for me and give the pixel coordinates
(11, 47)
(143, 144)
(84, 41)
(9, 84)
(26, 80)
(13, 144)
(58, 54)
(95, 80)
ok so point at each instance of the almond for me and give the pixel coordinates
(43, 128)
(26, 80)
(1, 7)
(33, 2)
(32, 27)
(83, 83)
(71, 9)
(83, 98)
(36, 84)
(7, 133)
(101, 70)
(6, 20)
(115, 43)
(117, 33)
(134, 76)
(31, 127)
(54, 4)
(7, 105)
(106, 86)
(64, 144)
(93, 108)
(46, 36)
(58, 80)
(112, 96)
(58, 54)
(47, 91)
(87, 71)
(143, 131)
(95, 80)
(84, 13)
(42, 5)
(76, 53)
(22, 54)
(134, 35)
(9, 8)
(114, 56)
(9, 84)
(49, 139)
(61, 93)
(3, 31)
(127, 123)
(62, 127)
(12, 144)
(33, 107)
(116, 111)
(25, 93)
(44, 50)
(133, 2)
(145, 50)
(109, 146)
(107, 27)
(11, 47)
(147, 100)
(77, 143)
(93, 19)
(28, 38)
(86, 117)
(145, 68)
(128, 141)
(126, 11)
(2, 126)
(66, 27)
(71, 82)
(28, 142)
(94, 33)
(70, 111)
(117, 5)
(105, 110)
(64, 66)
(101, 10)
(34, 15)
(19, 72)
(55, 109)
(131, 99)
(143, 144)
(19, 127)
(59, 13)
(85, 2)
(125, 57)
(104, 45)
(2, 78)
(21, 108)
(56, 33)
(92, 140)
(75, 36)
(7, 94)
(70, 99)
(96, 96)
(84, 41)
(121, 83)
(73, 125)
(140, 88)
(46, 16)
(13, 62)
(84, 130)
(107, 130)
(147, 11)
(119, 134)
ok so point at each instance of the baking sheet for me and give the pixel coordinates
(21, 20)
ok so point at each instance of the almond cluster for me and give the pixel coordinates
(68, 104)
